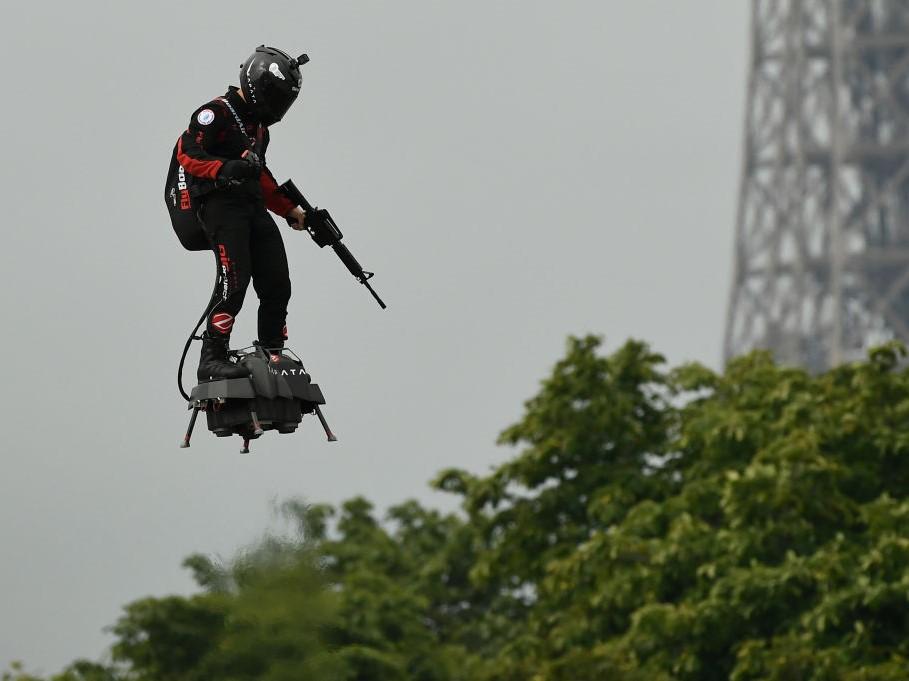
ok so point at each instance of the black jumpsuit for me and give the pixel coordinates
(245, 239)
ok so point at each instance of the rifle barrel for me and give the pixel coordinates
(374, 294)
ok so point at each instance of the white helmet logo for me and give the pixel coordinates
(277, 71)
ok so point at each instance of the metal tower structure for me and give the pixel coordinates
(821, 267)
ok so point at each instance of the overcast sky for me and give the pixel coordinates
(514, 172)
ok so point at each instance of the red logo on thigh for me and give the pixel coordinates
(223, 257)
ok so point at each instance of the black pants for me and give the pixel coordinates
(247, 245)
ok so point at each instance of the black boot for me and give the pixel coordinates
(213, 364)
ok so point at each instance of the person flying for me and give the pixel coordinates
(222, 156)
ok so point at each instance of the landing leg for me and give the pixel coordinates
(257, 427)
(328, 433)
(189, 430)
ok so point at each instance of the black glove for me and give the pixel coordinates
(246, 168)
(252, 158)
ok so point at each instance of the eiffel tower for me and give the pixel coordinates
(821, 265)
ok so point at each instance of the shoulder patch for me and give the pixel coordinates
(205, 116)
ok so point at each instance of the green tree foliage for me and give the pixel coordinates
(653, 524)
(82, 670)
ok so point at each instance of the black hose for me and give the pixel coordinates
(192, 336)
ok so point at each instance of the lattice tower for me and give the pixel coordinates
(821, 267)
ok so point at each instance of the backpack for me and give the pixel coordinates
(182, 194)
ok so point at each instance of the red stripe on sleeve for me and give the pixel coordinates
(195, 167)
(275, 201)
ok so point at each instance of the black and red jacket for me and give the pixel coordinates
(213, 137)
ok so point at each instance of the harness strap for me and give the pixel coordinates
(255, 145)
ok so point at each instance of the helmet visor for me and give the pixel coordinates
(277, 100)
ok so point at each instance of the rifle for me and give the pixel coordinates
(325, 232)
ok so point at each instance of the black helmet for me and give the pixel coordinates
(270, 80)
